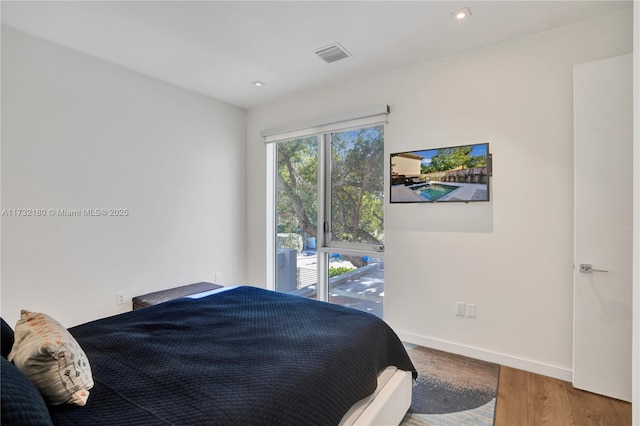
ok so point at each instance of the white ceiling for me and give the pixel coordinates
(219, 47)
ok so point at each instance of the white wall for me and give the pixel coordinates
(512, 257)
(80, 133)
(635, 393)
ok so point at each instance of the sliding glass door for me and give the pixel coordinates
(329, 218)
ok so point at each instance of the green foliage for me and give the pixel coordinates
(357, 180)
(297, 185)
(290, 240)
(339, 270)
(357, 162)
(453, 158)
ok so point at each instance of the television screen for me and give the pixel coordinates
(449, 174)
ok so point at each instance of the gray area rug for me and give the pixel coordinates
(452, 389)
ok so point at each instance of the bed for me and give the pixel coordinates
(241, 356)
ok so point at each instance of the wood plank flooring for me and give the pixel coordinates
(530, 399)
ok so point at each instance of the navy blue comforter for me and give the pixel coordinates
(245, 356)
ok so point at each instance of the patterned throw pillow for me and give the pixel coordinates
(52, 359)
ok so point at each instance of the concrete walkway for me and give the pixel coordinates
(362, 289)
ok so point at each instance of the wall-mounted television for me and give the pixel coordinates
(437, 175)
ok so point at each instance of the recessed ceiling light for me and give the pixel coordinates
(258, 83)
(461, 14)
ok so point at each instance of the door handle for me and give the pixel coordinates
(586, 268)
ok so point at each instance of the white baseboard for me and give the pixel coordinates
(495, 357)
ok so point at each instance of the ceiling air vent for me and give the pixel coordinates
(332, 53)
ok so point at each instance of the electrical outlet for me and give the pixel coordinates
(471, 310)
(217, 277)
(460, 309)
(120, 298)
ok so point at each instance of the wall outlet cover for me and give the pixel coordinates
(471, 310)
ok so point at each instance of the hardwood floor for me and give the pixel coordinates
(530, 399)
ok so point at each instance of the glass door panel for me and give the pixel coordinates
(356, 219)
(297, 216)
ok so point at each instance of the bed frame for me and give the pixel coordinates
(388, 404)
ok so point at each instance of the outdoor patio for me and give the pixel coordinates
(361, 289)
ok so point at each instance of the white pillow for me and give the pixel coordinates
(52, 359)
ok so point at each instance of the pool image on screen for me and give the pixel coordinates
(449, 174)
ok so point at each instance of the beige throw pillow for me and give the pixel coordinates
(52, 359)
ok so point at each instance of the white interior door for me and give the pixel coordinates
(603, 126)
